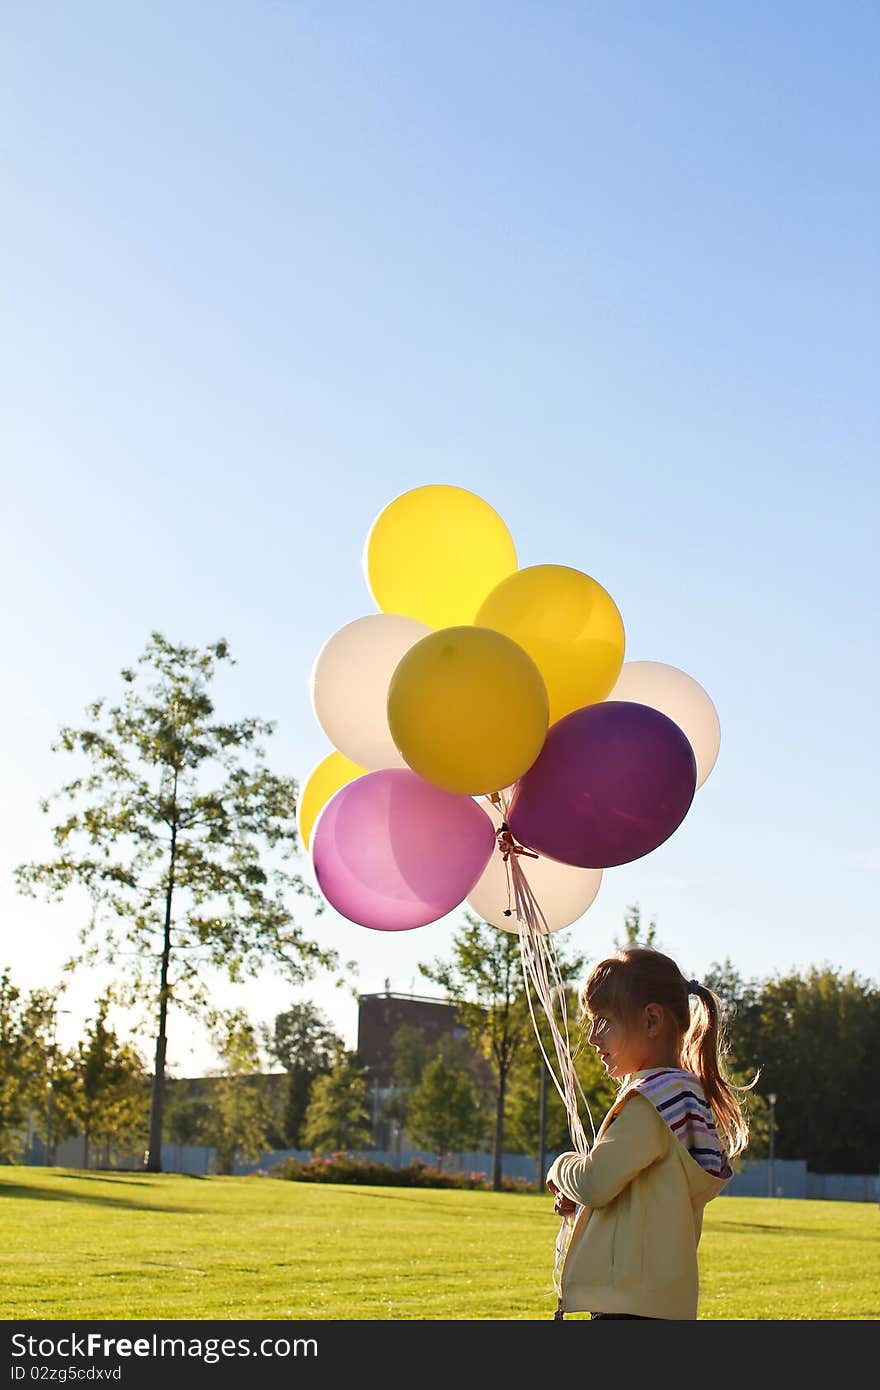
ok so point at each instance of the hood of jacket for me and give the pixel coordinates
(702, 1185)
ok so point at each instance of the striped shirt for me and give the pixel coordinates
(679, 1099)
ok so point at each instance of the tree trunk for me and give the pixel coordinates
(153, 1155)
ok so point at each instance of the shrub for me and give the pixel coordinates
(345, 1167)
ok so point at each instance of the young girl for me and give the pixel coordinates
(662, 1151)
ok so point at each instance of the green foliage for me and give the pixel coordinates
(59, 1119)
(444, 1113)
(185, 1114)
(634, 933)
(338, 1116)
(288, 1131)
(303, 1038)
(239, 1114)
(109, 1098)
(812, 1038)
(305, 1044)
(180, 835)
(28, 1059)
(411, 1053)
(817, 1039)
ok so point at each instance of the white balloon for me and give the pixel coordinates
(563, 892)
(349, 685)
(681, 698)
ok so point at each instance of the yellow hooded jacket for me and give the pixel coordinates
(633, 1246)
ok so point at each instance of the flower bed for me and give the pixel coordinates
(343, 1167)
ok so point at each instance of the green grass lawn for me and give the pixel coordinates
(78, 1245)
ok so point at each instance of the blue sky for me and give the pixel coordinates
(612, 267)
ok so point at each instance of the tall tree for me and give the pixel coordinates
(180, 834)
(338, 1116)
(304, 1043)
(484, 981)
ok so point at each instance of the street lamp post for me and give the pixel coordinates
(772, 1099)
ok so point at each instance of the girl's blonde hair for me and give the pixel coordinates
(624, 983)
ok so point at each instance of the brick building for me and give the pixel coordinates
(379, 1018)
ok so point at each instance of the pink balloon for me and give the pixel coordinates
(392, 851)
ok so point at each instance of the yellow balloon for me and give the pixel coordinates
(467, 709)
(325, 778)
(434, 553)
(569, 625)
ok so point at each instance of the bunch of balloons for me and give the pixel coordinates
(485, 706)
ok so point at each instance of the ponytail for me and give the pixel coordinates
(703, 1052)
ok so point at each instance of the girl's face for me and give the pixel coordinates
(619, 1048)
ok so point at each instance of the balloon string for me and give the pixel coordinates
(541, 974)
(542, 978)
(541, 970)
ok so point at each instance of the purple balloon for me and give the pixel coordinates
(611, 783)
(392, 851)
